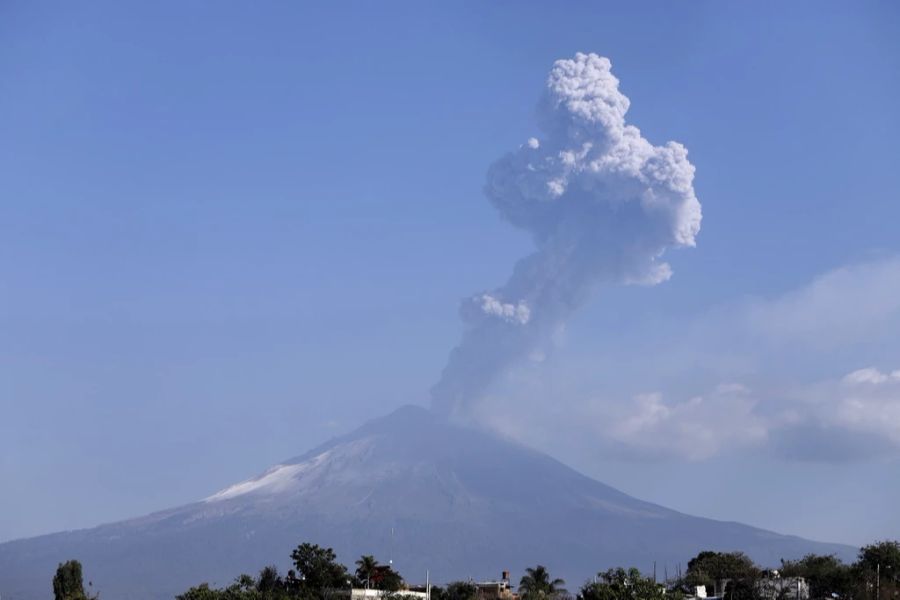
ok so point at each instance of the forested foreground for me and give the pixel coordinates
(317, 575)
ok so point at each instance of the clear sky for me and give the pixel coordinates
(231, 231)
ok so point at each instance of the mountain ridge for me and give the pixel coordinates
(409, 486)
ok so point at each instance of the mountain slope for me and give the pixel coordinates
(460, 502)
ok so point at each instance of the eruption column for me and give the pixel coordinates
(602, 205)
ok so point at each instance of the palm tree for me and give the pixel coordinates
(366, 567)
(537, 585)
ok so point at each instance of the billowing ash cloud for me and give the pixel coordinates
(602, 205)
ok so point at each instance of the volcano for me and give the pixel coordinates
(411, 487)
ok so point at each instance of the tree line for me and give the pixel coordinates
(317, 575)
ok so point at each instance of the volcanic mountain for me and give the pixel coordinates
(460, 502)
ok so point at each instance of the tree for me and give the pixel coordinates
(318, 571)
(365, 569)
(270, 584)
(536, 584)
(371, 574)
(621, 584)
(597, 590)
(879, 564)
(387, 579)
(457, 590)
(826, 575)
(881, 556)
(200, 592)
(68, 583)
(745, 588)
(243, 588)
(713, 569)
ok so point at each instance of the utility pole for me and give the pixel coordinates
(878, 581)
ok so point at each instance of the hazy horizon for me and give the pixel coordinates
(232, 234)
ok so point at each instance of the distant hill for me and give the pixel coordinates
(462, 503)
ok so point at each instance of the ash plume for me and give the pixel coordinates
(602, 205)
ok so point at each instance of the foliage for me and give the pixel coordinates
(713, 568)
(438, 593)
(318, 576)
(461, 590)
(68, 583)
(268, 586)
(365, 569)
(742, 589)
(883, 557)
(200, 592)
(372, 574)
(536, 584)
(826, 575)
(386, 578)
(879, 567)
(457, 590)
(318, 572)
(622, 584)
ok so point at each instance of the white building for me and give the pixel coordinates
(364, 594)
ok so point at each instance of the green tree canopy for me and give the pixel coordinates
(881, 556)
(537, 584)
(386, 578)
(269, 583)
(68, 583)
(881, 559)
(622, 584)
(457, 590)
(710, 568)
(200, 592)
(826, 574)
(365, 569)
(318, 571)
(372, 574)
(268, 586)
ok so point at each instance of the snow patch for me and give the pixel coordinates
(279, 478)
(335, 464)
(272, 480)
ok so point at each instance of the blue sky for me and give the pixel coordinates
(232, 232)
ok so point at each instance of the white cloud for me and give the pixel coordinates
(869, 402)
(832, 420)
(788, 389)
(843, 305)
(695, 429)
(871, 375)
(857, 416)
(861, 410)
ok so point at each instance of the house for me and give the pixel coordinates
(369, 594)
(496, 590)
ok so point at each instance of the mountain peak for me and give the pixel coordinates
(412, 487)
